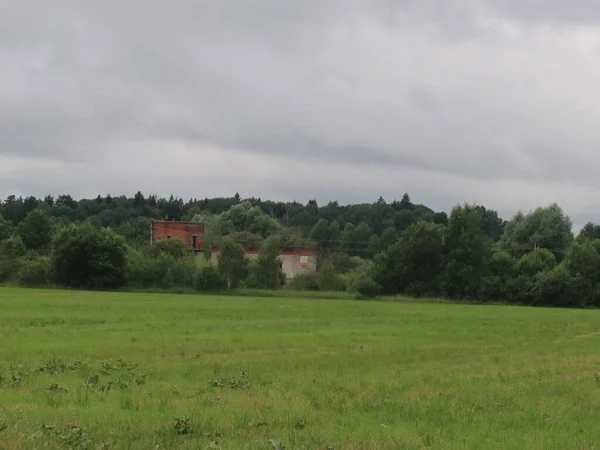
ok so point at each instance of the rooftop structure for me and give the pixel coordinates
(191, 233)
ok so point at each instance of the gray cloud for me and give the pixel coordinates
(489, 101)
(552, 11)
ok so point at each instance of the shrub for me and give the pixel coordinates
(6, 229)
(232, 262)
(493, 287)
(267, 271)
(304, 282)
(89, 258)
(522, 289)
(12, 247)
(175, 248)
(145, 271)
(536, 261)
(36, 271)
(552, 288)
(328, 279)
(363, 284)
(36, 229)
(162, 270)
(11, 251)
(208, 278)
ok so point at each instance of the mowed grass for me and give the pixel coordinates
(151, 371)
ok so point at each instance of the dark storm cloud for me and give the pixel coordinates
(454, 100)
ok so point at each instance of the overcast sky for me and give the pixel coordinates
(488, 101)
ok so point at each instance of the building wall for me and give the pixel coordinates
(293, 263)
(179, 230)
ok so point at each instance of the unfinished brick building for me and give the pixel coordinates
(293, 263)
(191, 233)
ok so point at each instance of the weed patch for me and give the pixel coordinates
(240, 382)
(70, 436)
(182, 426)
(56, 389)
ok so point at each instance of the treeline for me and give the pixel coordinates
(359, 229)
(39, 252)
(371, 249)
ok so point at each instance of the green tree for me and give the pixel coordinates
(326, 234)
(388, 238)
(493, 225)
(11, 251)
(36, 271)
(292, 238)
(244, 217)
(467, 251)
(558, 288)
(36, 230)
(414, 263)
(208, 278)
(268, 270)
(175, 248)
(589, 231)
(328, 279)
(356, 239)
(583, 259)
(89, 258)
(320, 233)
(12, 248)
(247, 240)
(583, 264)
(232, 262)
(524, 286)
(405, 203)
(536, 261)
(546, 227)
(362, 281)
(501, 270)
(6, 229)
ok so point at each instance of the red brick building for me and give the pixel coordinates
(189, 232)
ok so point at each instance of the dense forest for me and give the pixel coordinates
(379, 248)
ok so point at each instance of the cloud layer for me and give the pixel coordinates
(487, 101)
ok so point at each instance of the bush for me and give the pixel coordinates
(175, 248)
(328, 279)
(184, 272)
(6, 229)
(89, 258)
(552, 288)
(160, 271)
(303, 282)
(522, 289)
(536, 261)
(36, 230)
(363, 284)
(232, 263)
(12, 247)
(145, 271)
(36, 271)
(11, 251)
(493, 287)
(208, 278)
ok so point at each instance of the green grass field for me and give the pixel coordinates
(150, 371)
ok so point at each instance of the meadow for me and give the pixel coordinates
(85, 370)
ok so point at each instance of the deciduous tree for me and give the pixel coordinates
(232, 262)
(89, 258)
